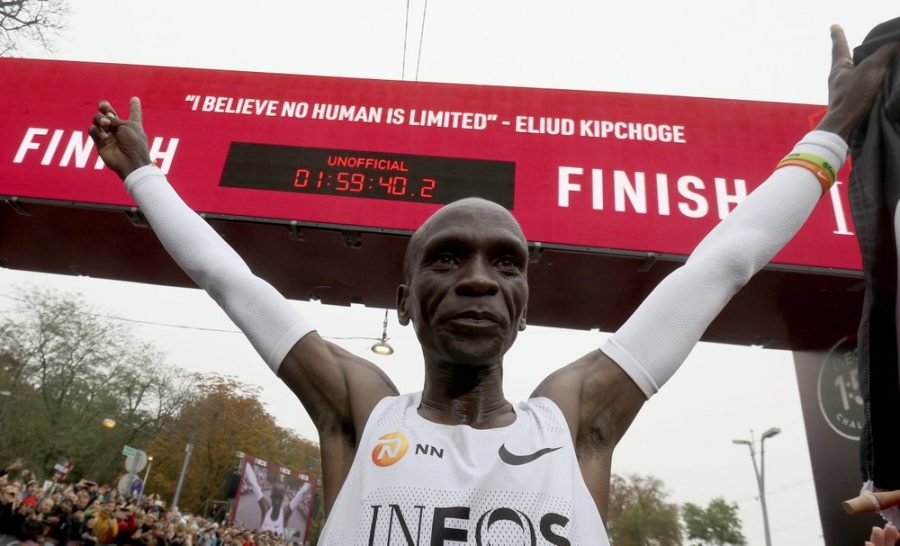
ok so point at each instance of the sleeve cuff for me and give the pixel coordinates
(630, 365)
(287, 341)
(138, 175)
(827, 145)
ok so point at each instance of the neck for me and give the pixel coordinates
(466, 395)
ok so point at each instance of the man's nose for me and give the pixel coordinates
(478, 279)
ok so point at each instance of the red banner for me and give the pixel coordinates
(583, 169)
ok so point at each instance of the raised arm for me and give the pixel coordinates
(264, 505)
(337, 388)
(612, 384)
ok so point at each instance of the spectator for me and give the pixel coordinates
(91, 514)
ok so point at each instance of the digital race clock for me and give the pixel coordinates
(375, 175)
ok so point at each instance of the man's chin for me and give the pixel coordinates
(477, 352)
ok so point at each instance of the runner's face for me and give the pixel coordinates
(468, 287)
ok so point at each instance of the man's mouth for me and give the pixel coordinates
(475, 321)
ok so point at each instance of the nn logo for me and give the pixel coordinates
(425, 449)
(389, 449)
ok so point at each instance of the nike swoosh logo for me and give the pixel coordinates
(517, 460)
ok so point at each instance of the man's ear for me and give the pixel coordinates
(402, 301)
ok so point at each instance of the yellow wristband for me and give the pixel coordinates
(813, 158)
(821, 169)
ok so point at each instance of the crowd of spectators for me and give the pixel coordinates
(91, 514)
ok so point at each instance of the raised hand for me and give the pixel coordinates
(883, 537)
(852, 89)
(122, 143)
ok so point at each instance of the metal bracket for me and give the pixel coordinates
(136, 217)
(16, 206)
(296, 233)
(535, 252)
(648, 262)
(352, 239)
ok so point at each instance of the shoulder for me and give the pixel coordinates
(597, 399)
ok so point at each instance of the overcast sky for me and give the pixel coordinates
(761, 50)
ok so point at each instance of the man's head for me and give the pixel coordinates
(34, 489)
(277, 495)
(465, 286)
(8, 494)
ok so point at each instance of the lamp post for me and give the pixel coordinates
(111, 423)
(146, 477)
(188, 449)
(760, 472)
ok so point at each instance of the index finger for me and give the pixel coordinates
(840, 51)
(136, 115)
(106, 109)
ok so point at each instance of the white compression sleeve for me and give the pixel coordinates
(298, 498)
(264, 315)
(250, 477)
(657, 338)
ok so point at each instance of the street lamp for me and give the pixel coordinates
(146, 477)
(188, 449)
(760, 472)
(382, 347)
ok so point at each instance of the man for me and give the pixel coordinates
(536, 472)
(275, 513)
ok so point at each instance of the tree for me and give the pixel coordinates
(717, 524)
(66, 369)
(639, 514)
(224, 417)
(30, 20)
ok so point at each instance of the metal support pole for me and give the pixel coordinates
(144, 483)
(759, 472)
(761, 483)
(188, 449)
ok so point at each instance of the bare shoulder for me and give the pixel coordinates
(598, 399)
(337, 388)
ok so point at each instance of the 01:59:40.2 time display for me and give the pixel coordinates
(318, 180)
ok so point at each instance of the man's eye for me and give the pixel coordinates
(445, 260)
(507, 263)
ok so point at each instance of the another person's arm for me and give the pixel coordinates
(889, 536)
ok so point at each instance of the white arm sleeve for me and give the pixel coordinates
(250, 478)
(264, 315)
(657, 338)
(298, 498)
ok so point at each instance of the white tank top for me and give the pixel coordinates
(274, 525)
(418, 483)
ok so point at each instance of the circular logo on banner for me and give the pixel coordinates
(840, 396)
(389, 449)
